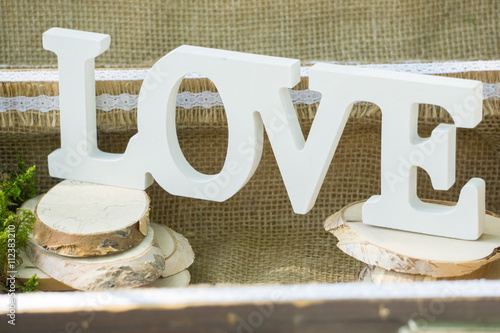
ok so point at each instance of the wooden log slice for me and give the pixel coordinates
(26, 270)
(413, 253)
(165, 238)
(179, 280)
(46, 283)
(377, 275)
(79, 219)
(181, 258)
(178, 253)
(135, 267)
(494, 271)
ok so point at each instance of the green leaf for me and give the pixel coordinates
(15, 188)
(30, 285)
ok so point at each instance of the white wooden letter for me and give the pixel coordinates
(303, 164)
(79, 158)
(245, 82)
(398, 206)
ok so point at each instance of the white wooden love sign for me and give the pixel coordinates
(254, 89)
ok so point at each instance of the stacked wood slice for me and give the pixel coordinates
(90, 237)
(400, 256)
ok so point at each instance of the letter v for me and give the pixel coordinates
(303, 165)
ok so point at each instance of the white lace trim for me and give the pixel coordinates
(100, 75)
(53, 75)
(208, 99)
(140, 74)
(22, 103)
(431, 67)
(186, 100)
(491, 90)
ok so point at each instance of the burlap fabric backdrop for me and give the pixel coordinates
(362, 31)
(255, 237)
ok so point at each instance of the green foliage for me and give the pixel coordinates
(30, 285)
(20, 225)
(19, 186)
(16, 224)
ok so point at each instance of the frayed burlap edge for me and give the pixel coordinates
(120, 120)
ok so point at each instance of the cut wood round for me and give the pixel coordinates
(30, 204)
(178, 253)
(377, 275)
(181, 258)
(165, 238)
(46, 283)
(135, 267)
(179, 280)
(79, 219)
(494, 271)
(413, 253)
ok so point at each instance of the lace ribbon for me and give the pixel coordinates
(140, 74)
(209, 99)
(186, 100)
